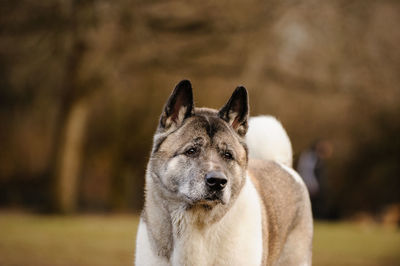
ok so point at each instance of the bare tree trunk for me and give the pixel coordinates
(70, 157)
(71, 119)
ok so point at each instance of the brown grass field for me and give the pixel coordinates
(86, 240)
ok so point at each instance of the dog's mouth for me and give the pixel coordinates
(208, 199)
(208, 202)
(213, 199)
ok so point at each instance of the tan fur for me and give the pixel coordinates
(286, 208)
(262, 214)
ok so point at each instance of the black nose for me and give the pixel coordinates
(216, 180)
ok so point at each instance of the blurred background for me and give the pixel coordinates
(82, 85)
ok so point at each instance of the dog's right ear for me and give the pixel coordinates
(178, 107)
(236, 111)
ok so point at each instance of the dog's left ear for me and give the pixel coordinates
(236, 111)
(178, 107)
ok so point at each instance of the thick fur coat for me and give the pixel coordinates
(207, 203)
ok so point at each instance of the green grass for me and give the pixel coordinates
(110, 240)
(67, 240)
(337, 244)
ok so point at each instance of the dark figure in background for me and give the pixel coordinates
(311, 167)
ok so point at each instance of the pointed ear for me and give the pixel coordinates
(178, 107)
(236, 111)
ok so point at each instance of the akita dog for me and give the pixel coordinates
(207, 202)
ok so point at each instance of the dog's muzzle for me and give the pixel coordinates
(215, 183)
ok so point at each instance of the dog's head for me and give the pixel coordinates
(199, 155)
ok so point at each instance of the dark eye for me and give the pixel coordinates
(227, 155)
(191, 151)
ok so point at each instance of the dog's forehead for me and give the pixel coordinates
(207, 124)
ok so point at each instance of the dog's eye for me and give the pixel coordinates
(227, 155)
(191, 151)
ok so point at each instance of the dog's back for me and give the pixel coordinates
(287, 219)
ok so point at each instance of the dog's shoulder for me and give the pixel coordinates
(284, 198)
(281, 190)
(275, 179)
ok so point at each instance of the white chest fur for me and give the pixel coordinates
(235, 240)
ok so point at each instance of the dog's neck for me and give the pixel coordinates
(169, 220)
(184, 236)
(156, 215)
